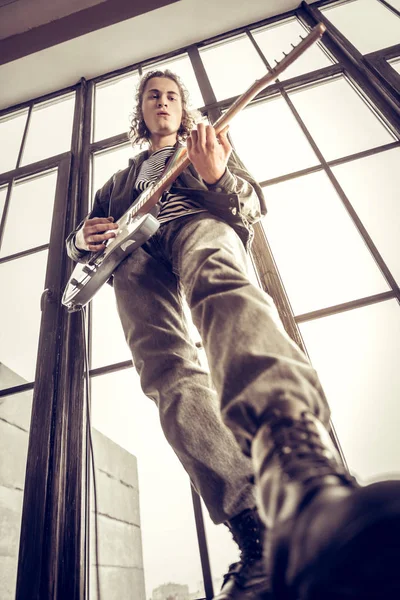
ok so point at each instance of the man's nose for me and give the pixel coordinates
(162, 101)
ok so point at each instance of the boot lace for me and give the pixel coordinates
(304, 456)
(247, 534)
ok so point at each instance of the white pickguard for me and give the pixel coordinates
(87, 278)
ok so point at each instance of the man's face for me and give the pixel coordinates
(162, 106)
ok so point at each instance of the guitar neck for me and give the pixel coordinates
(150, 200)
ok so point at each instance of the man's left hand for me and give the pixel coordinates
(209, 153)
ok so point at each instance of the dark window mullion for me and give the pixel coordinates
(86, 179)
(5, 210)
(363, 154)
(24, 136)
(203, 546)
(382, 96)
(345, 306)
(37, 533)
(120, 139)
(390, 7)
(387, 53)
(268, 92)
(24, 253)
(331, 163)
(71, 377)
(204, 83)
(17, 389)
(52, 551)
(289, 176)
(113, 368)
(258, 49)
(33, 169)
(386, 71)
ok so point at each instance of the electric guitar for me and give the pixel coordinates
(136, 225)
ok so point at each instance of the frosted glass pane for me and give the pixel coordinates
(338, 119)
(232, 66)
(356, 354)
(11, 132)
(29, 199)
(50, 129)
(182, 67)
(15, 418)
(168, 538)
(367, 24)
(108, 340)
(106, 163)
(395, 64)
(320, 255)
(279, 147)
(372, 185)
(276, 39)
(20, 313)
(113, 103)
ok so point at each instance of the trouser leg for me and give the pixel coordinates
(150, 306)
(252, 359)
(324, 528)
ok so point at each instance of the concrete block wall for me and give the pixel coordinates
(121, 569)
(15, 415)
(120, 541)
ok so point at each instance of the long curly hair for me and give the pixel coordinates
(138, 131)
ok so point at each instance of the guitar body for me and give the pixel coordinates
(87, 278)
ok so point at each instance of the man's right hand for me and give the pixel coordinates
(94, 233)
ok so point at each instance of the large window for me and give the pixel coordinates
(324, 143)
(33, 196)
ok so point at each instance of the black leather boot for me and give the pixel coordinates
(329, 538)
(247, 579)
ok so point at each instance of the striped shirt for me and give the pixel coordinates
(172, 205)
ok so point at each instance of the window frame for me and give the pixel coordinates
(57, 439)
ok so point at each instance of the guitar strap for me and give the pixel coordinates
(172, 161)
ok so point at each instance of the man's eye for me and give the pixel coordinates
(172, 98)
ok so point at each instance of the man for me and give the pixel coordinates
(322, 529)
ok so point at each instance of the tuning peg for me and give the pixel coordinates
(301, 37)
(293, 46)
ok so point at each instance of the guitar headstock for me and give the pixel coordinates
(315, 34)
